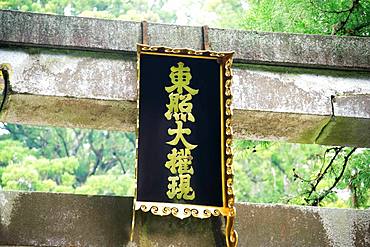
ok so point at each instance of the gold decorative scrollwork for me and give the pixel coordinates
(154, 210)
(172, 50)
(193, 52)
(217, 54)
(174, 211)
(229, 168)
(216, 212)
(181, 210)
(166, 210)
(228, 88)
(231, 234)
(182, 51)
(195, 213)
(149, 48)
(228, 64)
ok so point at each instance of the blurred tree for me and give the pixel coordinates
(34, 174)
(13, 151)
(344, 17)
(95, 150)
(228, 13)
(136, 10)
(341, 169)
(302, 174)
(57, 159)
(264, 170)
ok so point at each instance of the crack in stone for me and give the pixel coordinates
(332, 101)
(331, 119)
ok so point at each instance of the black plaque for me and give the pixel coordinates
(184, 158)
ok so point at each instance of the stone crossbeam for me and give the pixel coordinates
(288, 87)
(51, 219)
(69, 32)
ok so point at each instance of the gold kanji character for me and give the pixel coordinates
(180, 110)
(184, 190)
(171, 193)
(180, 77)
(179, 131)
(173, 106)
(180, 160)
(181, 190)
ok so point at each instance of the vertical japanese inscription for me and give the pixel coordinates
(179, 110)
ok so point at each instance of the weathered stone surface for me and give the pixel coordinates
(294, 49)
(71, 73)
(46, 219)
(257, 88)
(175, 36)
(170, 231)
(121, 116)
(252, 47)
(275, 126)
(68, 32)
(271, 103)
(278, 225)
(346, 131)
(70, 112)
(353, 102)
(293, 90)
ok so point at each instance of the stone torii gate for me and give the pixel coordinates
(81, 72)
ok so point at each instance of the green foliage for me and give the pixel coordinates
(110, 9)
(34, 174)
(96, 151)
(13, 152)
(108, 185)
(66, 160)
(229, 13)
(345, 17)
(286, 173)
(51, 6)
(357, 179)
(102, 162)
(264, 173)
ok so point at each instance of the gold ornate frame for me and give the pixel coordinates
(186, 210)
